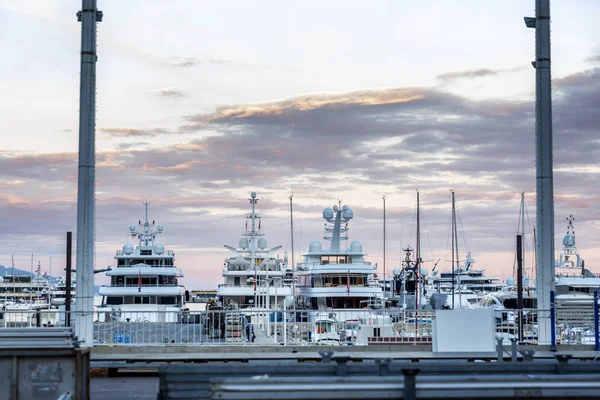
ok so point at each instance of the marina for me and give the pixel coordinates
(371, 309)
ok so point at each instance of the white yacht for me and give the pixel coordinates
(467, 277)
(254, 276)
(59, 293)
(336, 278)
(144, 284)
(25, 289)
(574, 284)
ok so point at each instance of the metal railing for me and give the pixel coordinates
(357, 327)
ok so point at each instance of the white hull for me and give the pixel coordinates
(139, 313)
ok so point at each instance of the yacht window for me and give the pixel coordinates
(236, 281)
(376, 332)
(168, 300)
(114, 300)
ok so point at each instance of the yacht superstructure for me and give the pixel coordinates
(574, 284)
(336, 278)
(254, 276)
(144, 284)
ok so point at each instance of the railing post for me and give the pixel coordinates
(499, 348)
(596, 333)
(552, 322)
(285, 326)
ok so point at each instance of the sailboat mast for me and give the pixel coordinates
(384, 281)
(292, 233)
(452, 234)
(523, 229)
(418, 253)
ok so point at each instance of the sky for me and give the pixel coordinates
(200, 103)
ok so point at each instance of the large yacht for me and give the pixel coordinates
(574, 284)
(144, 285)
(254, 276)
(336, 278)
(467, 277)
(59, 294)
(25, 289)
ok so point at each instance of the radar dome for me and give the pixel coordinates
(510, 281)
(159, 248)
(253, 195)
(347, 213)
(315, 246)
(243, 243)
(569, 240)
(423, 271)
(335, 208)
(159, 228)
(396, 271)
(345, 208)
(328, 213)
(262, 243)
(356, 247)
(132, 228)
(128, 248)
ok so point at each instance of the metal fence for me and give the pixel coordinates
(359, 327)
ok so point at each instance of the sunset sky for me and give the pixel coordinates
(199, 103)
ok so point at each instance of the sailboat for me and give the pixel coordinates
(463, 286)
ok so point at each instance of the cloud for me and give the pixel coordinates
(170, 93)
(307, 103)
(133, 132)
(476, 73)
(355, 146)
(188, 62)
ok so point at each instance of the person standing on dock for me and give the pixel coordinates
(250, 332)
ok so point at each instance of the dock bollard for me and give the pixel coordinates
(499, 348)
(513, 349)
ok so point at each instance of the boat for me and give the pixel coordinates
(59, 294)
(574, 283)
(254, 275)
(324, 330)
(33, 290)
(336, 278)
(144, 285)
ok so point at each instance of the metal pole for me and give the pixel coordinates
(520, 285)
(452, 234)
(456, 249)
(544, 172)
(68, 280)
(552, 322)
(596, 333)
(417, 267)
(88, 16)
(292, 233)
(384, 282)
(523, 229)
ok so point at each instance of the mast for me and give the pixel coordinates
(252, 246)
(452, 223)
(544, 169)
(418, 254)
(89, 16)
(523, 229)
(292, 233)
(384, 281)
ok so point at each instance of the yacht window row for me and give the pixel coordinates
(130, 262)
(118, 300)
(160, 280)
(332, 280)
